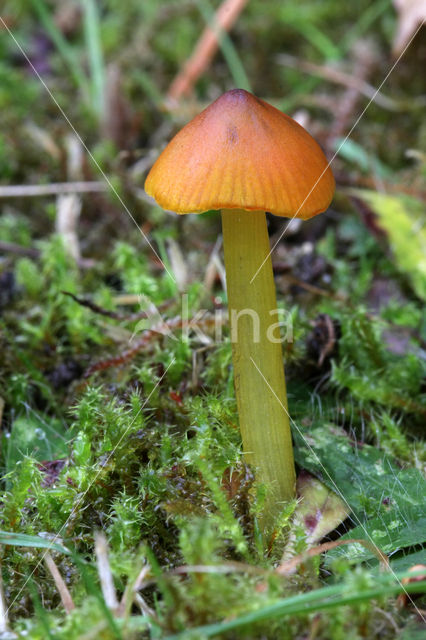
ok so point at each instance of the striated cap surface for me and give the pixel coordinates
(242, 153)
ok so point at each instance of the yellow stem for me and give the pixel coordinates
(257, 355)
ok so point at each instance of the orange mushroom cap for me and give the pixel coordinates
(242, 153)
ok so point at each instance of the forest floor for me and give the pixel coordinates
(126, 508)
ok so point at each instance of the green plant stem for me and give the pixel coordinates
(257, 355)
(61, 44)
(94, 49)
(300, 605)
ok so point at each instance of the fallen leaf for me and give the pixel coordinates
(411, 14)
(401, 217)
(320, 510)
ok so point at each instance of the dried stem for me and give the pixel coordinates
(52, 189)
(104, 571)
(62, 588)
(205, 49)
(351, 81)
(289, 566)
(3, 609)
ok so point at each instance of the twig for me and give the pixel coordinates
(363, 65)
(312, 288)
(52, 189)
(389, 618)
(146, 610)
(131, 595)
(339, 77)
(115, 315)
(166, 328)
(62, 588)
(205, 49)
(128, 354)
(104, 571)
(11, 247)
(288, 567)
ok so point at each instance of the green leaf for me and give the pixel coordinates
(95, 54)
(387, 502)
(387, 533)
(40, 438)
(356, 154)
(402, 218)
(64, 49)
(404, 562)
(25, 540)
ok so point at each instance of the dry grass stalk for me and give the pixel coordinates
(104, 571)
(62, 588)
(68, 208)
(205, 49)
(3, 610)
(52, 189)
(288, 567)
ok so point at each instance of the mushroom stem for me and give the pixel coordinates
(257, 356)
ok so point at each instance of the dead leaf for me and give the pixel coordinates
(401, 218)
(419, 571)
(411, 14)
(320, 510)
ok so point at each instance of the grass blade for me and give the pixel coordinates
(25, 540)
(40, 611)
(62, 46)
(93, 589)
(302, 604)
(94, 51)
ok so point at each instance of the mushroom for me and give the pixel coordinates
(245, 157)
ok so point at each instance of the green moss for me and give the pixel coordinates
(147, 448)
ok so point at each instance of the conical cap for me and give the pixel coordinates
(242, 153)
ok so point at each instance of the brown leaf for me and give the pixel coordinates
(411, 14)
(320, 510)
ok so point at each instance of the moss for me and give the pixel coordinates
(147, 448)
